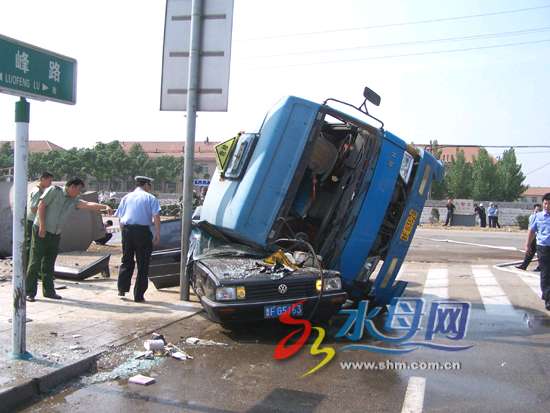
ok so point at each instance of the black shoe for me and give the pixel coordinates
(537, 269)
(30, 298)
(547, 304)
(121, 293)
(521, 267)
(53, 296)
(139, 300)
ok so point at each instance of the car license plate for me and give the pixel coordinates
(409, 225)
(274, 311)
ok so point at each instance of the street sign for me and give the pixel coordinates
(215, 55)
(201, 182)
(30, 71)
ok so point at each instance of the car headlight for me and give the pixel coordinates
(230, 293)
(406, 166)
(226, 293)
(330, 284)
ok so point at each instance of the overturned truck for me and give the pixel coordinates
(317, 207)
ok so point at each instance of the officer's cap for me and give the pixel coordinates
(143, 179)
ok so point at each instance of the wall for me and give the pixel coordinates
(508, 211)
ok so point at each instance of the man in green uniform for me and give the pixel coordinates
(54, 207)
(32, 206)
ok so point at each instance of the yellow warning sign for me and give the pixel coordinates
(223, 152)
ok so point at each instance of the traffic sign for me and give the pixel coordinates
(215, 55)
(30, 71)
(223, 151)
(201, 182)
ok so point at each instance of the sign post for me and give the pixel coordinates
(28, 71)
(195, 79)
(22, 112)
(192, 89)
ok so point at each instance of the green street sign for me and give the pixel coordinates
(30, 71)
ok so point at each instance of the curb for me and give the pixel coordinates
(26, 393)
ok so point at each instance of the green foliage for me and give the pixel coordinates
(106, 162)
(6, 156)
(523, 221)
(509, 177)
(484, 176)
(458, 177)
(438, 189)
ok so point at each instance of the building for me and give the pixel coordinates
(448, 152)
(534, 194)
(205, 154)
(38, 146)
(34, 147)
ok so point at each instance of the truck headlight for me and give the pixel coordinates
(226, 293)
(406, 166)
(330, 284)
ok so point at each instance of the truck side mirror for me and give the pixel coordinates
(371, 96)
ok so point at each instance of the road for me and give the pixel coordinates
(506, 369)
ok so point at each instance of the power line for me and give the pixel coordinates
(538, 169)
(416, 42)
(433, 52)
(438, 145)
(381, 26)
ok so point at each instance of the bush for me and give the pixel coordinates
(523, 221)
(434, 216)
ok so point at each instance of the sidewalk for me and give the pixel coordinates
(88, 320)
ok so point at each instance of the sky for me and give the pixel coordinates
(468, 72)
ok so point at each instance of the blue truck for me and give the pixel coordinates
(314, 181)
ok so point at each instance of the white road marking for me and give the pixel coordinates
(401, 272)
(414, 397)
(437, 283)
(474, 244)
(532, 280)
(493, 297)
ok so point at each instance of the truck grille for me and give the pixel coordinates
(296, 289)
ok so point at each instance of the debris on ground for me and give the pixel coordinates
(76, 335)
(141, 379)
(194, 341)
(76, 347)
(61, 287)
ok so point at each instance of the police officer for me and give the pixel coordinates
(137, 211)
(540, 228)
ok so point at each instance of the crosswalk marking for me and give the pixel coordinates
(437, 283)
(532, 282)
(414, 396)
(492, 295)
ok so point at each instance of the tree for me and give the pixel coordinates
(484, 177)
(438, 189)
(458, 177)
(138, 161)
(110, 162)
(509, 177)
(6, 156)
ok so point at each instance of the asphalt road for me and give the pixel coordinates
(506, 369)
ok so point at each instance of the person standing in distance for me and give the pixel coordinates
(55, 205)
(450, 212)
(540, 228)
(137, 211)
(44, 183)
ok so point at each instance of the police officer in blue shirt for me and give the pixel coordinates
(540, 228)
(137, 211)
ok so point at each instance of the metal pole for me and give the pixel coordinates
(192, 93)
(22, 112)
